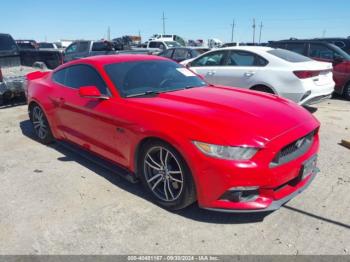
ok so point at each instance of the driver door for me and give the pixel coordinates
(86, 121)
(210, 66)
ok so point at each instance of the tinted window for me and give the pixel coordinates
(7, 43)
(46, 45)
(84, 75)
(60, 76)
(211, 59)
(102, 46)
(296, 47)
(289, 56)
(72, 48)
(321, 51)
(133, 78)
(84, 46)
(167, 53)
(242, 58)
(181, 54)
(154, 44)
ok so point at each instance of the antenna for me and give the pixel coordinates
(261, 26)
(254, 26)
(233, 29)
(164, 18)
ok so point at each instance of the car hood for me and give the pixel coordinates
(228, 115)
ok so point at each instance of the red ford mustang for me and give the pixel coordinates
(230, 149)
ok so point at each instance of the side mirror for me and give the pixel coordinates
(338, 60)
(91, 92)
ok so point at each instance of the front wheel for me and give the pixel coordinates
(166, 176)
(40, 124)
(346, 92)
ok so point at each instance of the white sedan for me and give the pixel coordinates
(278, 71)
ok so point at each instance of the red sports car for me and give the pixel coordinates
(230, 149)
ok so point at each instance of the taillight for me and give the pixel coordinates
(306, 74)
(1, 77)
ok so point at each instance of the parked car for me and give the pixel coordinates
(27, 44)
(266, 69)
(12, 73)
(83, 48)
(45, 45)
(158, 122)
(322, 51)
(160, 45)
(180, 53)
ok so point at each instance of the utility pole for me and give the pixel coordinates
(233, 29)
(254, 26)
(164, 18)
(324, 33)
(108, 33)
(261, 26)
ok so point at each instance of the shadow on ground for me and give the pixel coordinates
(192, 212)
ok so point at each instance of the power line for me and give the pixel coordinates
(233, 29)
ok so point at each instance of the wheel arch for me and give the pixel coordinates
(263, 85)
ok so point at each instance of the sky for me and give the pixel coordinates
(52, 20)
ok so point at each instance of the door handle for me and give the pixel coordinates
(61, 101)
(211, 73)
(249, 74)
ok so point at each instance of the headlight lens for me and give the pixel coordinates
(226, 152)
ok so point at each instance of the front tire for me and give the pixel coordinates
(346, 91)
(166, 176)
(40, 124)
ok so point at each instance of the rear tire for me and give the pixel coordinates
(166, 176)
(346, 91)
(40, 124)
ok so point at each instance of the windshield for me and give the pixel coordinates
(46, 45)
(289, 55)
(153, 76)
(172, 44)
(341, 53)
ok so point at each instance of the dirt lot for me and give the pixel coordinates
(54, 202)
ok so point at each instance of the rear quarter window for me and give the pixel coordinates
(289, 56)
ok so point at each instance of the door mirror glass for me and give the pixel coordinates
(91, 92)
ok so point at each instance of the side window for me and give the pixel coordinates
(321, 51)
(154, 44)
(180, 54)
(72, 48)
(211, 59)
(84, 46)
(167, 53)
(242, 58)
(296, 47)
(84, 75)
(60, 76)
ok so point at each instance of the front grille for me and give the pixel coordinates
(294, 150)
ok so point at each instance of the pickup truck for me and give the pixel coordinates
(12, 73)
(85, 48)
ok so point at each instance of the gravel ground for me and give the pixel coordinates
(54, 202)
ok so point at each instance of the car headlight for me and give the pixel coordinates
(226, 152)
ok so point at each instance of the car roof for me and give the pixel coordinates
(247, 48)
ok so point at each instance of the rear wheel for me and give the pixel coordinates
(166, 176)
(346, 91)
(40, 124)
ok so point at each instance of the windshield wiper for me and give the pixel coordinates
(143, 94)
